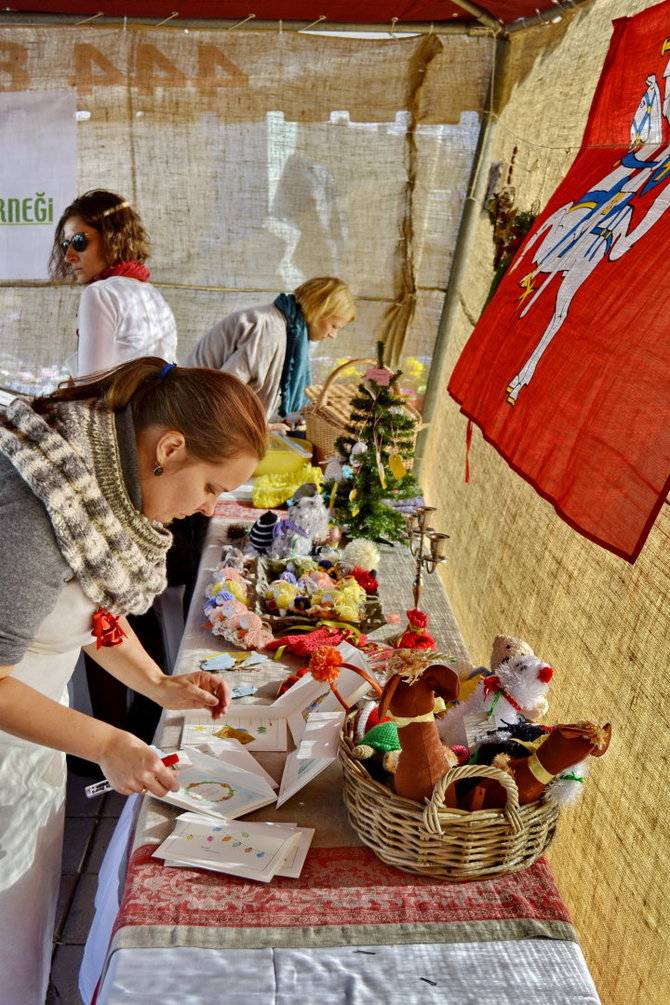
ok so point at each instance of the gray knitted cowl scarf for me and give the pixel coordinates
(72, 464)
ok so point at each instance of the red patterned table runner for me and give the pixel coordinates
(345, 896)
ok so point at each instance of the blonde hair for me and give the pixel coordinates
(219, 416)
(325, 297)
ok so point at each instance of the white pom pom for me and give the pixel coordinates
(362, 553)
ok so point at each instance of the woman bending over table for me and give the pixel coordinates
(89, 478)
(268, 347)
(101, 244)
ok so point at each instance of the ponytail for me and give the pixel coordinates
(218, 415)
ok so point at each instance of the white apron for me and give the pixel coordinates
(32, 802)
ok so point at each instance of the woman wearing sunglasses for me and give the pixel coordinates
(101, 244)
(90, 476)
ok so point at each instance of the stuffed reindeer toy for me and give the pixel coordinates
(411, 698)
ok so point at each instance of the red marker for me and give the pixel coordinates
(97, 788)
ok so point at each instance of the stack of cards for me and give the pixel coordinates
(252, 850)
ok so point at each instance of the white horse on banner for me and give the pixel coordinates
(580, 234)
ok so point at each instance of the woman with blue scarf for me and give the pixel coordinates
(268, 347)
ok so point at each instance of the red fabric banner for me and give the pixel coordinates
(567, 372)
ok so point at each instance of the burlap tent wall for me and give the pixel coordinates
(259, 159)
(515, 566)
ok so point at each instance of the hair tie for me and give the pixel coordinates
(165, 370)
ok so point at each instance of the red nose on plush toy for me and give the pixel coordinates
(545, 674)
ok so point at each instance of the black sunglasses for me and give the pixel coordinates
(78, 242)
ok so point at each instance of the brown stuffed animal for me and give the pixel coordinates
(409, 698)
(565, 746)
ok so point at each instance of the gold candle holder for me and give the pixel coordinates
(426, 545)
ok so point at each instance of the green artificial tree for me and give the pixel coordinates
(367, 485)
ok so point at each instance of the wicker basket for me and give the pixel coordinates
(330, 410)
(434, 840)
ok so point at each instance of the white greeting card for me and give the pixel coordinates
(298, 771)
(308, 695)
(294, 860)
(212, 787)
(295, 856)
(321, 737)
(235, 753)
(255, 726)
(252, 850)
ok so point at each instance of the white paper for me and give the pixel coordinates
(295, 857)
(322, 735)
(255, 726)
(211, 787)
(233, 752)
(298, 772)
(252, 850)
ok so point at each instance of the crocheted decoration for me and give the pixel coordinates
(415, 635)
(362, 553)
(226, 609)
(261, 534)
(383, 736)
(304, 644)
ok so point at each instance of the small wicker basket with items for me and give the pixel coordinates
(460, 811)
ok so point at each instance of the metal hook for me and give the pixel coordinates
(175, 13)
(93, 17)
(394, 21)
(321, 17)
(249, 17)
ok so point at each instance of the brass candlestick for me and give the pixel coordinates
(426, 545)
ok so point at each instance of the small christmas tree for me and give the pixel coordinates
(371, 477)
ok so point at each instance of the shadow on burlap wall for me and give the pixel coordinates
(603, 624)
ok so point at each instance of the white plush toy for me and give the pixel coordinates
(305, 526)
(514, 691)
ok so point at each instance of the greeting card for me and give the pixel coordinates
(251, 850)
(212, 787)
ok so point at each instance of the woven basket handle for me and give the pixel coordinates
(431, 819)
(321, 400)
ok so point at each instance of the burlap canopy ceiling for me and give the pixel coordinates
(258, 159)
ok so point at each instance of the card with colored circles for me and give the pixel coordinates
(251, 850)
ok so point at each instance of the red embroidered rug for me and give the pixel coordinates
(344, 896)
(232, 509)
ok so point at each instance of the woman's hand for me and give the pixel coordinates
(199, 689)
(278, 427)
(131, 766)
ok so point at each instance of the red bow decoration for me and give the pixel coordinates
(107, 630)
(492, 685)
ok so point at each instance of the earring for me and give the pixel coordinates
(158, 470)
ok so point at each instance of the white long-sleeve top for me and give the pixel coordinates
(251, 344)
(120, 319)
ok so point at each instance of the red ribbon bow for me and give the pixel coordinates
(107, 630)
